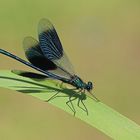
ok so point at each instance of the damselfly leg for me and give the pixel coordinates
(72, 106)
(60, 84)
(94, 97)
(81, 100)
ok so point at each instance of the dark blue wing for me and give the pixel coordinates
(49, 40)
(35, 56)
(52, 49)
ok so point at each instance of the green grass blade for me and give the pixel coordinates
(100, 116)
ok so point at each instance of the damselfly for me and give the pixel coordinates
(48, 57)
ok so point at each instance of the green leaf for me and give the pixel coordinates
(100, 116)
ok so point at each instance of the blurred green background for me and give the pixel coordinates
(102, 40)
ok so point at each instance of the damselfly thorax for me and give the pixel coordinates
(80, 84)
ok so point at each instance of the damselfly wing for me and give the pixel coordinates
(52, 49)
(35, 55)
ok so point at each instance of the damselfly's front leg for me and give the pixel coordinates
(95, 98)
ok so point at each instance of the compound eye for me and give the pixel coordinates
(89, 86)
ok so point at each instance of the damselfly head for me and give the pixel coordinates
(89, 86)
